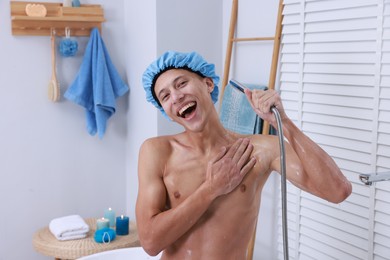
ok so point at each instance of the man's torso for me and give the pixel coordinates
(224, 231)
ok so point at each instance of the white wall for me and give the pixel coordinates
(49, 165)
(141, 49)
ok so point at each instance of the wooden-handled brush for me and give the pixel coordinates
(54, 85)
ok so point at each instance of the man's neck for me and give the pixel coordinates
(212, 136)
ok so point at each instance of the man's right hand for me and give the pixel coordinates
(226, 171)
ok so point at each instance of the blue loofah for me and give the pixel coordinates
(68, 47)
(104, 235)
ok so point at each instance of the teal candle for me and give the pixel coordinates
(110, 215)
(102, 223)
(122, 225)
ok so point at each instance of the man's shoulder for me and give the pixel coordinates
(160, 139)
(159, 143)
(264, 140)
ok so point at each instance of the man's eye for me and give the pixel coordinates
(165, 97)
(182, 83)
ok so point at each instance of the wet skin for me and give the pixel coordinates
(200, 190)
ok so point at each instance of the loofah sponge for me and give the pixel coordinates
(104, 235)
(68, 47)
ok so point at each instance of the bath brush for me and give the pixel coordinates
(54, 86)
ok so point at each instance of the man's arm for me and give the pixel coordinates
(159, 227)
(320, 175)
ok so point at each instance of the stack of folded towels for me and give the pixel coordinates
(69, 227)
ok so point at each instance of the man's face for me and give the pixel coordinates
(183, 94)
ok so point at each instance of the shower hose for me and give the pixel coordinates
(283, 181)
(283, 178)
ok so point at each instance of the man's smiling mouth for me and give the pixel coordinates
(187, 109)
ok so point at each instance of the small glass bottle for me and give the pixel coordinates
(67, 3)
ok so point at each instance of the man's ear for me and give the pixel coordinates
(210, 84)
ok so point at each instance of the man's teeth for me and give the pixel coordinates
(183, 109)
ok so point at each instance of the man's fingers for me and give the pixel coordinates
(220, 155)
(233, 149)
(248, 166)
(241, 151)
(243, 159)
(264, 100)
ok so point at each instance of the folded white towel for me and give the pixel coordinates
(69, 227)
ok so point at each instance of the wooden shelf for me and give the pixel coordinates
(80, 20)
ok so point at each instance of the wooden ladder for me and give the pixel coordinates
(271, 83)
(232, 40)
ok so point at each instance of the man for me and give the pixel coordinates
(200, 190)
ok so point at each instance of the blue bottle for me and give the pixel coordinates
(75, 3)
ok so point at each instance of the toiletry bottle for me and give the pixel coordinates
(67, 3)
(76, 3)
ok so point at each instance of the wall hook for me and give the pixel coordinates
(67, 32)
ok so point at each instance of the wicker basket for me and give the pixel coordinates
(45, 243)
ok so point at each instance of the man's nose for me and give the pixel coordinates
(177, 96)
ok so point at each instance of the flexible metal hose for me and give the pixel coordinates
(283, 181)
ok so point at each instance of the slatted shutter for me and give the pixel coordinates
(335, 85)
(381, 208)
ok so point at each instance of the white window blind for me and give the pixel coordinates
(335, 85)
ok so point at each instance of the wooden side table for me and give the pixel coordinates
(45, 243)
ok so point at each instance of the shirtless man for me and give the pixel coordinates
(200, 190)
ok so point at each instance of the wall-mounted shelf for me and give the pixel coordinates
(80, 20)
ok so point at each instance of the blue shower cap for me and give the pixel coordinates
(177, 60)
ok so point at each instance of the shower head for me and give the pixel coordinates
(241, 87)
(237, 85)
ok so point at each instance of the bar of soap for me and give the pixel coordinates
(36, 10)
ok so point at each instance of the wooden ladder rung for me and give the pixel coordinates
(253, 39)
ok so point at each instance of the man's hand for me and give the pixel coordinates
(262, 101)
(226, 171)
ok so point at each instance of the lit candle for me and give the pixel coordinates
(110, 215)
(102, 223)
(122, 225)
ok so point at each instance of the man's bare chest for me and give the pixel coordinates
(183, 178)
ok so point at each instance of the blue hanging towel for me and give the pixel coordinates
(97, 85)
(237, 114)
